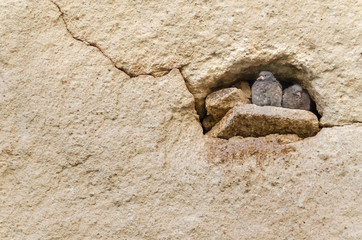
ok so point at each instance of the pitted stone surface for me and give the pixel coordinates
(86, 152)
(249, 120)
(216, 42)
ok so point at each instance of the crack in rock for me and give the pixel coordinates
(104, 54)
(89, 43)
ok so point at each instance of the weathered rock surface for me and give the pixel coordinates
(220, 102)
(320, 45)
(87, 152)
(250, 120)
(242, 149)
(245, 87)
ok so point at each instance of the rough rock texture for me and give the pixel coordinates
(249, 120)
(215, 42)
(245, 87)
(87, 152)
(220, 102)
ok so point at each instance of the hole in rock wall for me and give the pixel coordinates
(229, 109)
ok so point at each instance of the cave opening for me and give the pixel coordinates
(286, 73)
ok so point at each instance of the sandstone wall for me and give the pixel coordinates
(100, 135)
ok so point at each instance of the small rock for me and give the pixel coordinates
(245, 87)
(208, 122)
(220, 102)
(249, 120)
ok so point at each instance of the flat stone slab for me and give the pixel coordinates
(249, 120)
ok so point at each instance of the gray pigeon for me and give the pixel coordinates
(295, 97)
(266, 90)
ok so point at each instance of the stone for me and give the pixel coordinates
(251, 120)
(241, 149)
(245, 87)
(90, 152)
(211, 49)
(221, 101)
(208, 122)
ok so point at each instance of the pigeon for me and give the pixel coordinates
(296, 98)
(266, 90)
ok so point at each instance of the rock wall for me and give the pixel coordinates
(100, 136)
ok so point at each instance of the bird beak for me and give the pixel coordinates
(260, 78)
(299, 94)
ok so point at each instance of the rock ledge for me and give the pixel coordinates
(249, 120)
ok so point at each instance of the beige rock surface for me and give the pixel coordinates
(250, 120)
(216, 42)
(220, 102)
(87, 152)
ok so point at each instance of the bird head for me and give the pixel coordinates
(297, 90)
(265, 74)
